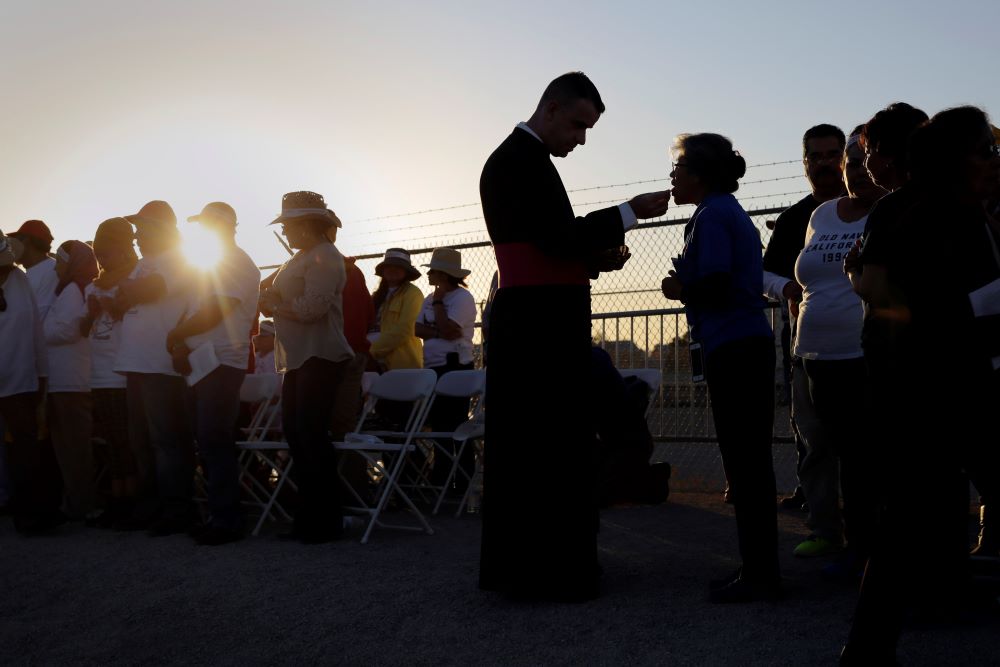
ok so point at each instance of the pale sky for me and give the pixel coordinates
(392, 107)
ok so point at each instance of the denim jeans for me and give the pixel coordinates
(838, 390)
(162, 441)
(819, 468)
(216, 399)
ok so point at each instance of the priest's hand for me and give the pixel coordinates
(650, 205)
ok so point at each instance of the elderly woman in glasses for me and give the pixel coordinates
(719, 279)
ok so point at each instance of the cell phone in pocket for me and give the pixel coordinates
(697, 363)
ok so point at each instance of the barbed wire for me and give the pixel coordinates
(426, 210)
(595, 187)
(580, 204)
(648, 223)
(430, 224)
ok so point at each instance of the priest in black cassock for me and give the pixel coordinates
(539, 504)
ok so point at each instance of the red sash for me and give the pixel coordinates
(525, 265)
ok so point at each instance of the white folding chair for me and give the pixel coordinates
(414, 386)
(653, 379)
(472, 433)
(367, 380)
(468, 384)
(261, 445)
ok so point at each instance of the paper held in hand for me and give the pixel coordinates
(986, 301)
(203, 361)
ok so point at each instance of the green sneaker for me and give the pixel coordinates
(817, 546)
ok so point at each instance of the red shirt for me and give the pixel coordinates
(359, 311)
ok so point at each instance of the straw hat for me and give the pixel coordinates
(448, 260)
(305, 205)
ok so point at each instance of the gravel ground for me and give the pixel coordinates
(86, 596)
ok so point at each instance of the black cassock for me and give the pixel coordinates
(540, 514)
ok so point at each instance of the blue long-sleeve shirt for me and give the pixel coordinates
(722, 245)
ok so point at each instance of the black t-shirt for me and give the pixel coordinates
(788, 237)
(877, 239)
(881, 245)
(949, 344)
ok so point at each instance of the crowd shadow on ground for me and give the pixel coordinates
(86, 596)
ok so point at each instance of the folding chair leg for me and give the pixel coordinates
(274, 497)
(451, 476)
(391, 484)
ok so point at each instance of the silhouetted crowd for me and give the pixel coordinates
(888, 273)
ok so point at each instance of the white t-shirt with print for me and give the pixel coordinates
(143, 347)
(105, 338)
(831, 314)
(237, 277)
(461, 308)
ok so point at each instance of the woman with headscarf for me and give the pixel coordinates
(397, 305)
(102, 323)
(719, 279)
(69, 404)
(310, 349)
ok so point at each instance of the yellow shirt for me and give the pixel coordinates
(397, 346)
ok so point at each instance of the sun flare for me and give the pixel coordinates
(202, 248)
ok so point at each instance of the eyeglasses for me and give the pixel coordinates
(675, 165)
(989, 152)
(828, 156)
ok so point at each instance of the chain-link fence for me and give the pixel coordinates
(639, 328)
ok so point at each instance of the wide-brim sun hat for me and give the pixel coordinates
(304, 205)
(448, 260)
(398, 257)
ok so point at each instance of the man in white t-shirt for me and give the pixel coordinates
(24, 363)
(36, 240)
(154, 299)
(220, 328)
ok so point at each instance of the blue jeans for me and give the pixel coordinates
(163, 444)
(216, 409)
